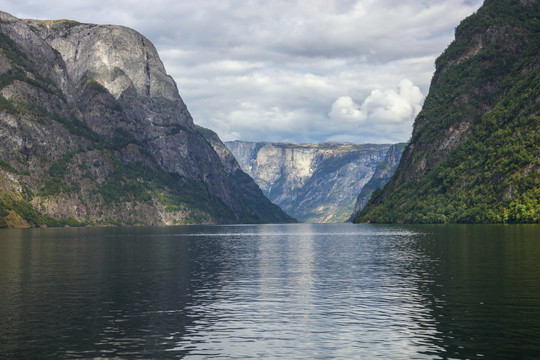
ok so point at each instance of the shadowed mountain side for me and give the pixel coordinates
(474, 155)
(382, 175)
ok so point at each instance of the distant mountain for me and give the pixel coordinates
(382, 175)
(312, 183)
(93, 131)
(474, 153)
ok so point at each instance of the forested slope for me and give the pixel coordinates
(474, 153)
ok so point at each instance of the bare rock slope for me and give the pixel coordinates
(315, 182)
(93, 131)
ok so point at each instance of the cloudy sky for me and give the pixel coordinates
(287, 70)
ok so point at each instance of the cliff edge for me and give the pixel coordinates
(93, 131)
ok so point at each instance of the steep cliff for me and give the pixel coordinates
(382, 175)
(474, 154)
(93, 131)
(248, 190)
(312, 183)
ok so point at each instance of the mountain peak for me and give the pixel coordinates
(117, 57)
(93, 131)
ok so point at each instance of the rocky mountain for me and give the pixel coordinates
(474, 153)
(382, 175)
(93, 131)
(312, 183)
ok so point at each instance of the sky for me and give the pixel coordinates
(301, 71)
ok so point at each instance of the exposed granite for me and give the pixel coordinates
(313, 183)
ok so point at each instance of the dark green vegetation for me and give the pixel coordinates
(474, 153)
(73, 153)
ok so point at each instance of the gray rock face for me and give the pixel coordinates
(243, 183)
(312, 183)
(382, 175)
(94, 128)
(119, 58)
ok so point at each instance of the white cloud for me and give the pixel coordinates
(345, 110)
(391, 106)
(271, 70)
(384, 111)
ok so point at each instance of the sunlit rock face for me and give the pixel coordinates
(117, 57)
(93, 130)
(312, 183)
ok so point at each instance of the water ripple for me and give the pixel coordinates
(272, 291)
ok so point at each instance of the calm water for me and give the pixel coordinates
(275, 291)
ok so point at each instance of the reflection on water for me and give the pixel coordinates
(274, 291)
(482, 285)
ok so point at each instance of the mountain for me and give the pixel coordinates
(244, 185)
(312, 183)
(382, 175)
(93, 131)
(474, 152)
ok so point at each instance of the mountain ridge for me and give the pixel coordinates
(474, 152)
(94, 132)
(311, 182)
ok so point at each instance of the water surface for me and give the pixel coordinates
(271, 291)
